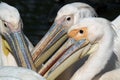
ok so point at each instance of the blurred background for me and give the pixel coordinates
(38, 15)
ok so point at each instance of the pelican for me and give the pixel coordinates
(95, 31)
(13, 40)
(67, 16)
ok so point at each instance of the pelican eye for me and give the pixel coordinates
(81, 31)
(5, 25)
(68, 18)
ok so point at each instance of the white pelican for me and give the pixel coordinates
(13, 36)
(96, 31)
(67, 16)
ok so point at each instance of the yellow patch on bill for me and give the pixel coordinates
(5, 46)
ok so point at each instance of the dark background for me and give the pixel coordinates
(38, 15)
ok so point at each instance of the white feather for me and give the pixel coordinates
(9, 13)
(17, 73)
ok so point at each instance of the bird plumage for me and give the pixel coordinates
(9, 13)
(18, 73)
(78, 9)
(111, 75)
(116, 26)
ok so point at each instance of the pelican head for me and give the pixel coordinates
(10, 16)
(70, 14)
(93, 31)
(66, 17)
(11, 31)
